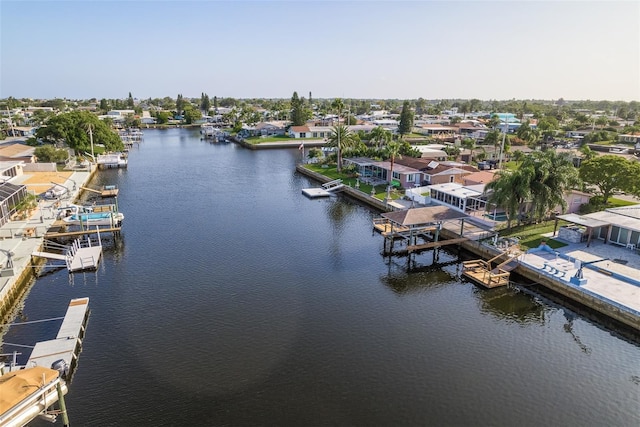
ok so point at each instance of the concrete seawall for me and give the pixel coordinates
(485, 252)
(16, 282)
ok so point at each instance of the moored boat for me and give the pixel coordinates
(27, 393)
(91, 215)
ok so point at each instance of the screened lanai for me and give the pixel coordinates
(10, 196)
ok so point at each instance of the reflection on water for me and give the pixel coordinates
(232, 299)
(511, 305)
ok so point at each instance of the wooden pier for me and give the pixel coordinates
(106, 191)
(417, 229)
(482, 272)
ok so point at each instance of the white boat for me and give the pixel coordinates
(28, 393)
(56, 191)
(112, 160)
(91, 215)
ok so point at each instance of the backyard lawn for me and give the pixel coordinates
(332, 173)
(531, 235)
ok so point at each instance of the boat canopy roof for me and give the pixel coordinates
(18, 385)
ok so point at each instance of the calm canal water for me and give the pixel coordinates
(231, 299)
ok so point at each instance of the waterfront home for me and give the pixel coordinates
(379, 173)
(322, 132)
(17, 152)
(433, 172)
(467, 199)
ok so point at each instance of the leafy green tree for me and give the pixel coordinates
(71, 128)
(180, 104)
(49, 154)
(191, 114)
(298, 115)
(602, 121)
(131, 121)
(452, 151)
(341, 138)
(205, 103)
(104, 105)
(406, 119)
(130, 102)
(587, 152)
(610, 173)
(518, 156)
(215, 104)
(162, 117)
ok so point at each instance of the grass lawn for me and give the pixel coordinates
(531, 235)
(276, 138)
(332, 173)
(616, 203)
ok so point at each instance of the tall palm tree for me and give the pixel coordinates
(341, 138)
(510, 191)
(338, 105)
(393, 151)
(553, 175)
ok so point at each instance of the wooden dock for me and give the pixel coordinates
(436, 244)
(482, 272)
(77, 233)
(105, 192)
(66, 345)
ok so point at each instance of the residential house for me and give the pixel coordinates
(434, 172)
(468, 199)
(629, 138)
(17, 152)
(437, 131)
(22, 131)
(477, 178)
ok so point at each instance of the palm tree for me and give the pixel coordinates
(553, 175)
(469, 144)
(393, 151)
(338, 105)
(510, 190)
(380, 136)
(518, 155)
(587, 152)
(341, 138)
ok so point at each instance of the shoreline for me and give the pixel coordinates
(16, 281)
(626, 316)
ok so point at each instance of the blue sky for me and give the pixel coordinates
(358, 49)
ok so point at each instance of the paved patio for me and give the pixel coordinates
(620, 290)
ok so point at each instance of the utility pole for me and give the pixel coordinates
(90, 129)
